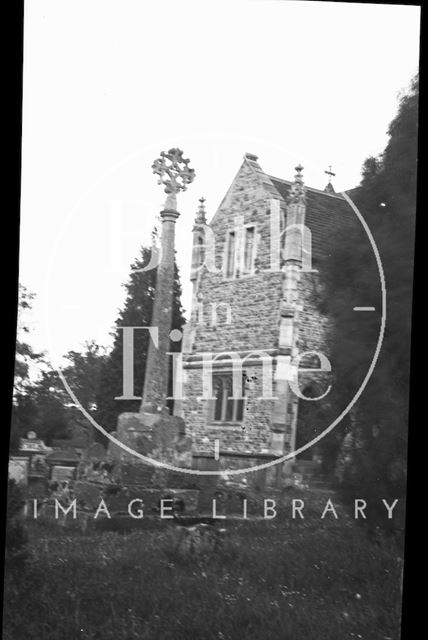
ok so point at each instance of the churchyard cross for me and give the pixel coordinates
(174, 174)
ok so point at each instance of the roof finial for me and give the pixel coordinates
(251, 156)
(201, 217)
(329, 188)
(297, 191)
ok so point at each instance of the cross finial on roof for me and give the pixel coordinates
(329, 188)
(329, 173)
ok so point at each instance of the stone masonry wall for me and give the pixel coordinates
(252, 435)
(254, 299)
(255, 302)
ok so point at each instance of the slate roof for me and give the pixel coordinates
(326, 214)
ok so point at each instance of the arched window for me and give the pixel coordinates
(225, 407)
(231, 255)
(249, 246)
(198, 256)
(201, 249)
(240, 252)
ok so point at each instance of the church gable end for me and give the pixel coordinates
(238, 306)
(255, 297)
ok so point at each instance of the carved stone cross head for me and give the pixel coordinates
(173, 171)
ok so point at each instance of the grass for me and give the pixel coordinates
(284, 579)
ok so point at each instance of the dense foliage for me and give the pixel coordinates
(136, 312)
(42, 403)
(386, 198)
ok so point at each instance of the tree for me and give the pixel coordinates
(27, 362)
(386, 197)
(50, 417)
(136, 312)
(47, 408)
(26, 357)
(83, 375)
(56, 414)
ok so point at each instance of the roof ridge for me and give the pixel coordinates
(325, 193)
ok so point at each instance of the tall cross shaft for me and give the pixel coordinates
(157, 364)
(174, 174)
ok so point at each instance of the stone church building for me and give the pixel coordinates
(257, 270)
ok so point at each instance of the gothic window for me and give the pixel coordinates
(249, 250)
(198, 252)
(225, 408)
(240, 253)
(230, 255)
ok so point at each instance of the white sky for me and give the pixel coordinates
(108, 84)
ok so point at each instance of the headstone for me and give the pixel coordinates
(62, 474)
(33, 445)
(18, 470)
(38, 465)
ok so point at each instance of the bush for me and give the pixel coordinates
(16, 533)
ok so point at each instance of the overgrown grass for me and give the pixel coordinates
(284, 579)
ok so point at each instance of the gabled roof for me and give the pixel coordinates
(326, 213)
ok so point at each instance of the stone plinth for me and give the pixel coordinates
(158, 436)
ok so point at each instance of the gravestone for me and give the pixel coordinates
(18, 470)
(62, 474)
